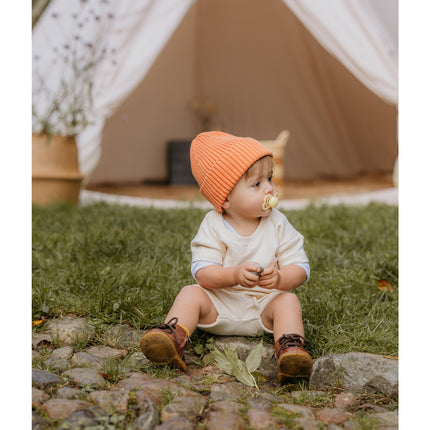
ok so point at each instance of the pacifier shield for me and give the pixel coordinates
(270, 202)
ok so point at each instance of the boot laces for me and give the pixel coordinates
(288, 340)
(171, 326)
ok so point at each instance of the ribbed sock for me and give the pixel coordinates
(186, 330)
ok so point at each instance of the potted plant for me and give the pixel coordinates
(62, 102)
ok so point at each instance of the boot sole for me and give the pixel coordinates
(294, 365)
(159, 348)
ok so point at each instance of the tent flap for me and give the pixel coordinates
(353, 33)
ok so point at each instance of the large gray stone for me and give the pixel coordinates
(154, 389)
(304, 411)
(58, 365)
(38, 397)
(231, 391)
(42, 379)
(111, 401)
(149, 416)
(71, 393)
(83, 358)
(94, 417)
(85, 376)
(137, 360)
(41, 340)
(220, 421)
(187, 407)
(261, 419)
(179, 423)
(37, 422)
(59, 409)
(63, 353)
(357, 372)
(70, 330)
(390, 418)
(102, 351)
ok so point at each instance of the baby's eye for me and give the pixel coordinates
(270, 178)
(256, 185)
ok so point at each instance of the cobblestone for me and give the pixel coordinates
(113, 386)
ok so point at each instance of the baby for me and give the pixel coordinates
(246, 258)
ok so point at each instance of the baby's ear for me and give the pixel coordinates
(226, 204)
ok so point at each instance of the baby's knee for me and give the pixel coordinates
(288, 299)
(193, 294)
(192, 290)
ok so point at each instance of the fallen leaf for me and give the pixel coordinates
(254, 358)
(38, 323)
(243, 375)
(384, 285)
(222, 361)
(229, 362)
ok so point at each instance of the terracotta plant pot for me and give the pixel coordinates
(55, 169)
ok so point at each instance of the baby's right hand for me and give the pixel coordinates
(247, 274)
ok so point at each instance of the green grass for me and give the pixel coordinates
(119, 264)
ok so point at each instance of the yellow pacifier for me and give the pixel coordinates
(270, 202)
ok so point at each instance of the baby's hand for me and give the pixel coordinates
(270, 278)
(247, 274)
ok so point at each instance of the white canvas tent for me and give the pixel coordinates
(326, 71)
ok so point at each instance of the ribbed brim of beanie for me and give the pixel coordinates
(219, 160)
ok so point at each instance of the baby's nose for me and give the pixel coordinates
(270, 188)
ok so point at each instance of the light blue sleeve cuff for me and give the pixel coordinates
(197, 265)
(306, 268)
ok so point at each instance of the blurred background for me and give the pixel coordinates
(165, 71)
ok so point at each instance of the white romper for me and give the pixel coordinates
(275, 242)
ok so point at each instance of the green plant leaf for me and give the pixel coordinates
(222, 361)
(199, 348)
(254, 358)
(242, 374)
(229, 362)
(230, 354)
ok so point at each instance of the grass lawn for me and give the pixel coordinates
(120, 264)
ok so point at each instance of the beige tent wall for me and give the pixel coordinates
(264, 72)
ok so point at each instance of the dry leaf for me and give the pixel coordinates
(241, 372)
(38, 323)
(384, 285)
(254, 358)
(230, 363)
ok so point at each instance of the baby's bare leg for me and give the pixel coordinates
(192, 306)
(283, 315)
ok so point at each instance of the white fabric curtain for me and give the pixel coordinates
(362, 34)
(134, 33)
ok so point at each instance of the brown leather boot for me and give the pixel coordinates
(165, 343)
(292, 359)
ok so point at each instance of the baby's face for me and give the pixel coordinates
(247, 197)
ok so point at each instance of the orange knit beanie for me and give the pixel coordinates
(219, 160)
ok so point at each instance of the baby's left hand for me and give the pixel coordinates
(269, 278)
